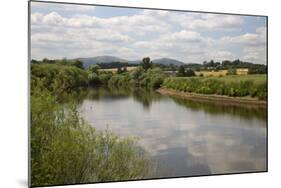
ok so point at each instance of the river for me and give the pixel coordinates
(183, 137)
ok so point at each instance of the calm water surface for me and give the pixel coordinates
(184, 137)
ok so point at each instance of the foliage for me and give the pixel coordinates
(136, 75)
(66, 150)
(77, 63)
(57, 78)
(182, 72)
(116, 65)
(64, 61)
(226, 65)
(104, 77)
(189, 73)
(119, 80)
(94, 68)
(152, 78)
(101, 78)
(146, 63)
(231, 72)
(229, 85)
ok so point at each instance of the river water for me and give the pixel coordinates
(183, 137)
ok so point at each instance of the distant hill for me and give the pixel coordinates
(109, 59)
(167, 61)
(100, 59)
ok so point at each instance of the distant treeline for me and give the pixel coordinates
(224, 65)
(253, 68)
(66, 75)
(76, 63)
(207, 65)
(116, 65)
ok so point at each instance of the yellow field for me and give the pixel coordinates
(212, 73)
(115, 69)
(221, 72)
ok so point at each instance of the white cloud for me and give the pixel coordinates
(253, 45)
(247, 39)
(53, 18)
(214, 22)
(221, 55)
(186, 36)
(55, 34)
(36, 18)
(61, 8)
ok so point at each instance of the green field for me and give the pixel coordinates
(234, 85)
(256, 78)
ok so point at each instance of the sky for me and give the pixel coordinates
(72, 31)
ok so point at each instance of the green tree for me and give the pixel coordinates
(146, 63)
(119, 70)
(45, 60)
(189, 73)
(94, 68)
(34, 61)
(78, 64)
(125, 69)
(137, 73)
(181, 71)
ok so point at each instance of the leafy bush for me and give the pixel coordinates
(104, 77)
(66, 150)
(189, 73)
(152, 78)
(137, 73)
(57, 77)
(182, 72)
(99, 78)
(119, 80)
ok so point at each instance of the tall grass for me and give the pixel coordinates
(235, 86)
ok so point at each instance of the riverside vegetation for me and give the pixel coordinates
(234, 86)
(65, 149)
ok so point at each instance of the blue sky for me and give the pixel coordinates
(70, 31)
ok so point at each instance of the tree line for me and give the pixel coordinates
(206, 65)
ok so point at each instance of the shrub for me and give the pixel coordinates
(119, 80)
(58, 77)
(67, 150)
(189, 73)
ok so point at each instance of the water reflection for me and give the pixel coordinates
(220, 108)
(184, 137)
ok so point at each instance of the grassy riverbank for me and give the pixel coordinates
(222, 99)
(251, 86)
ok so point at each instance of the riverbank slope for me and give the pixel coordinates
(227, 100)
